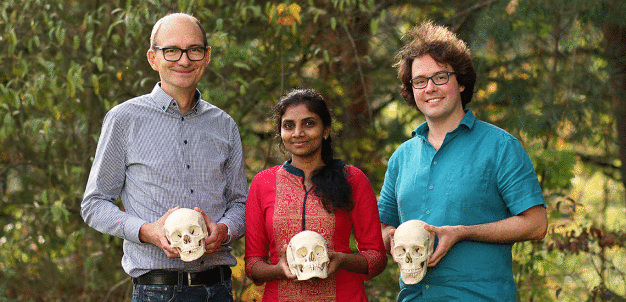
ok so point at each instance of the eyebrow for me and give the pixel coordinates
(308, 118)
(423, 76)
(190, 46)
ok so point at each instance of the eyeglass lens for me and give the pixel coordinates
(438, 79)
(193, 53)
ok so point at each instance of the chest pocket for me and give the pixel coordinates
(471, 184)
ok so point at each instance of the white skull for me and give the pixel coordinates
(307, 255)
(186, 230)
(413, 247)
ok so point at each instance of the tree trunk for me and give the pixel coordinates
(615, 39)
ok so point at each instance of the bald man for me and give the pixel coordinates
(164, 150)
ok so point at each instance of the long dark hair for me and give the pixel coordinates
(330, 182)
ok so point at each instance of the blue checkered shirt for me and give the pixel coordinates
(156, 158)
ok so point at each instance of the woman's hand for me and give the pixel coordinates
(283, 265)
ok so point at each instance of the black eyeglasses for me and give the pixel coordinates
(174, 54)
(439, 78)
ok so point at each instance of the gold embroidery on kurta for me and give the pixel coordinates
(290, 198)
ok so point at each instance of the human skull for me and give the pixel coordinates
(186, 230)
(413, 246)
(307, 255)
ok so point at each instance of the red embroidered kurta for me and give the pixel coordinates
(274, 215)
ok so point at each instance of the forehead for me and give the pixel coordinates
(427, 66)
(299, 111)
(179, 31)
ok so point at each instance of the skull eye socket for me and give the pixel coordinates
(319, 250)
(419, 251)
(301, 252)
(176, 236)
(399, 251)
(194, 230)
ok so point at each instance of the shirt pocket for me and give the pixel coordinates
(470, 186)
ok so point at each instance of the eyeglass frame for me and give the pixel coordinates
(447, 73)
(182, 51)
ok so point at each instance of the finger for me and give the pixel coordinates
(204, 215)
(287, 271)
(212, 247)
(170, 251)
(283, 250)
(173, 209)
(430, 228)
(284, 265)
(213, 232)
(335, 262)
(170, 211)
(435, 257)
(210, 225)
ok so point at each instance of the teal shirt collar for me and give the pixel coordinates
(467, 121)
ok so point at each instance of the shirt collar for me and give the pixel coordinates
(165, 101)
(297, 172)
(293, 170)
(467, 121)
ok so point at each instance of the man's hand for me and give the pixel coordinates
(218, 233)
(154, 233)
(528, 225)
(388, 231)
(448, 236)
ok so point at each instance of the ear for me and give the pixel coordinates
(461, 88)
(326, 132)
(152, 58)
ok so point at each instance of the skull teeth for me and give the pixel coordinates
(189, 251)
(311, 268)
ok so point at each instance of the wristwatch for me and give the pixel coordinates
(227, 236)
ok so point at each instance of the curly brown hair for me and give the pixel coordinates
(444, 47)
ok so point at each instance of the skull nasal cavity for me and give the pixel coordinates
(187, 239)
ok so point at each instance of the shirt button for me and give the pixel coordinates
(188, 166)
(185, 142)
(191, 191)
(427, 212)
(427, 286)
(435, 163)
(182, 118)
(430, 187)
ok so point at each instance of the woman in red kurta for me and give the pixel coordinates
(315, 192)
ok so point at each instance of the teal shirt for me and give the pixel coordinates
(480, 174)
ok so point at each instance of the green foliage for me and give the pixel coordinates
(543, 76)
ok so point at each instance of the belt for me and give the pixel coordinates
(165, 277)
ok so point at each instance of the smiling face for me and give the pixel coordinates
(183, 75)
(438, 103)
(302, 132)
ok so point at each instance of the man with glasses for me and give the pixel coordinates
(471, 182)
(168, 149)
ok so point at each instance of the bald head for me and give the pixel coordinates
(177, 17)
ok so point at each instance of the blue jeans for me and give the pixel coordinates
(219, 292)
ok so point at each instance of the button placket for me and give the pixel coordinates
(186, 153)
